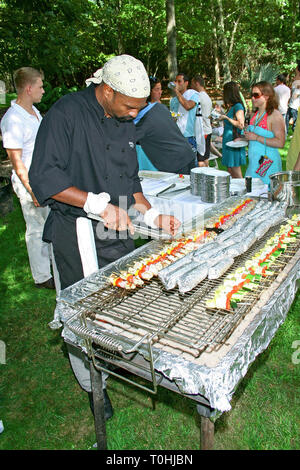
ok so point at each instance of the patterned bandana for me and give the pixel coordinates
(124, 74)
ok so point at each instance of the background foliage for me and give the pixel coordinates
(70, 39)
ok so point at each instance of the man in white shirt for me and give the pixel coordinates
(190, 122)
(198, 84)
(19, 128)
(283, 94)
(294, 102)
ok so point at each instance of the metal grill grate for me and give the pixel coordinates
(174, 320)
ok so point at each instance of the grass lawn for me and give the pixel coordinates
(43, 407)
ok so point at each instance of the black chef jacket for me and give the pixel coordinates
(77, 145)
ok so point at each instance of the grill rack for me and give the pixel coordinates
(151, 316)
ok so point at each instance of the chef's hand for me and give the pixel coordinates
(116, 218)
(168, 223)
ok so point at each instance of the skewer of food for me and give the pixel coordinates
(192, 248)
(226, 221)
(247, 278)
(146, 268)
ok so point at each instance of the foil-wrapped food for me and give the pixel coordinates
(246, 278)
(192, 277)
(241, 226)
(217, 270)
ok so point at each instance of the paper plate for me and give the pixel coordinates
(237, 143)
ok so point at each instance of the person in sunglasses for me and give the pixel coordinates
(266, 133)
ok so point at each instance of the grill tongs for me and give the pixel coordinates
(141, 228)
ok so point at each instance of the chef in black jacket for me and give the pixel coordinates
(84, 161)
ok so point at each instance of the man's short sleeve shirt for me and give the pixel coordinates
(190, 124)
(206, 108)
(295, 95)
(19, 129)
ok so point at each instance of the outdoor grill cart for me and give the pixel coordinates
(189, 314)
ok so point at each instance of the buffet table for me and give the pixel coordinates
(171, 193)
(141, 330)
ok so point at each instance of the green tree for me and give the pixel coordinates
(171, 39)
(70, 39)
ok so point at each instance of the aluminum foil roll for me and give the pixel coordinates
(170, 279)
(166, 272)
(248, 241)
(277, 217)
(236, 249)
(219, 268)
(187, 282)
(233, 240)
(204, 248)
(252, 225)
(235, 229)
(210, 253)
(262, 228)
(261, 214)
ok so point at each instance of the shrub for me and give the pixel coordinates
(267, 72)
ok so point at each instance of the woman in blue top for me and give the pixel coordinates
(234, 121)
(266, 134)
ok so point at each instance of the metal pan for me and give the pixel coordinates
(285, 187)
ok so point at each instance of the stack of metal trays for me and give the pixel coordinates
(210, 184)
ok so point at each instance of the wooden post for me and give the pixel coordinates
(98, 399)
(207, 434)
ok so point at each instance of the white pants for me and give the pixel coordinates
(38, 251)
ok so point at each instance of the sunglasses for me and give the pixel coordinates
(256, 95)
(153, 79)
